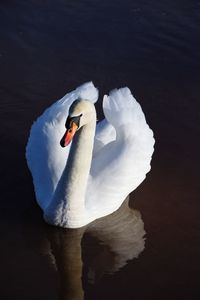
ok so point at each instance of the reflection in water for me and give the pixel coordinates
(122, 236)
(66, 251)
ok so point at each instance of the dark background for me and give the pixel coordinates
(48, 48)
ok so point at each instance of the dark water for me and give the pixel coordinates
(48, 48)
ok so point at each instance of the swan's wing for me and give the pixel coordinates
(45, 157)
(121, 165)
(105, 133)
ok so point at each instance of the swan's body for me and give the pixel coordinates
(92, 177)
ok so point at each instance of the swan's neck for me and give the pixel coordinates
(75, 176)
(67, 208)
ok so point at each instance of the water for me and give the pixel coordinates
(48, 48)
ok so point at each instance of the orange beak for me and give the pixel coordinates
(68, 136)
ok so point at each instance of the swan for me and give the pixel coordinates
(81, 170)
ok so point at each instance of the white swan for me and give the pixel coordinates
(91, 177)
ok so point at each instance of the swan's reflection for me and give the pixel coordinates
(121, 237)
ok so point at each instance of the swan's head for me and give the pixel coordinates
(81, 112)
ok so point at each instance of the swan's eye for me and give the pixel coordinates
(71, 120)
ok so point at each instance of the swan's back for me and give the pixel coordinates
(45, 157)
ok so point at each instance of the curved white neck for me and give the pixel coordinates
(67, 208)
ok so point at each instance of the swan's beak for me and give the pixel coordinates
(68, 136)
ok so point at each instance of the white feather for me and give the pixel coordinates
(121, 164)
(123, 146)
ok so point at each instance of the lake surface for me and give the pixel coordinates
(47, 48)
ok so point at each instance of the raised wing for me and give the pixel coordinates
(120, 165)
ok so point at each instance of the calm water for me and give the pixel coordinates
(48, 48)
